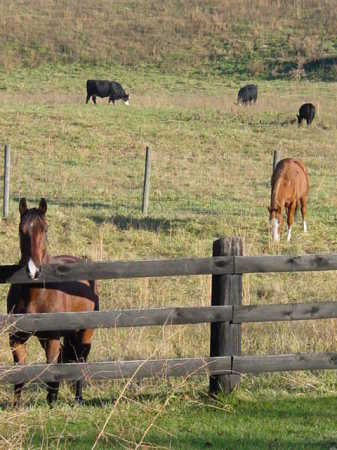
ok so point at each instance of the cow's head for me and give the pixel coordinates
(126, 99)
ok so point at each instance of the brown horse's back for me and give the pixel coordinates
(290, 180)
(68, 296)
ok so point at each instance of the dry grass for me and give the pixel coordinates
(174, 36)
(211, 168)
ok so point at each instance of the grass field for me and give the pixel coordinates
(211, 168)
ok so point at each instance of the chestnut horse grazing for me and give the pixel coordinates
(289, 188)
(74, 296)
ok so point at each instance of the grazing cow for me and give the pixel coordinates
(104, 88)
(306, 112)
(247, 94)
(290, 188)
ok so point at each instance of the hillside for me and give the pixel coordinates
(182, 63)
(261, 38)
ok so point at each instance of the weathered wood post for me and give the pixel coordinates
(146, 188)
(276, 159)
(7, 165)
(226, 336)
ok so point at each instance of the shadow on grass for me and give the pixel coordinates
(144, 223)
(231, 423)
(286, 423)
(66, 204)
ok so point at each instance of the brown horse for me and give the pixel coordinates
(290, 187)
(47, 298)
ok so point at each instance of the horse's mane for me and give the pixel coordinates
(275, 186)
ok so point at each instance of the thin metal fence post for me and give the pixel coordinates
(276, 159)
(7, 165)
(146, 188)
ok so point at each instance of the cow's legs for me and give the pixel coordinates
(94, 99)
(88, 98)
(19, 351)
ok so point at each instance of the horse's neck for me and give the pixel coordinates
(276, 201)
(24, 260)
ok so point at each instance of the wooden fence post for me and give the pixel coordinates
(226, 336)
(276, 159)
(146, 188)
(7, 165)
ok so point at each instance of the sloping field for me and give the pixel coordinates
(211, 168)
(269, 39)
(182, 63)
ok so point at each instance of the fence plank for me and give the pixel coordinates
(168, 316)
(262, 264)
(114, 370)
(114, 319)
(277, 363)
(165, 268)
(167, 368)
(119, 269)
(289, 312)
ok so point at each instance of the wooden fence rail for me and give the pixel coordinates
(167, 316)
(216, 366)
(218, 265)
(226, 314)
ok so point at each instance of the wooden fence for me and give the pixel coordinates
(226, 313)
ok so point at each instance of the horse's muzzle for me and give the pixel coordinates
(33, 271)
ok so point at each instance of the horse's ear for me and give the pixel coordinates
(43, 206)
(22, 206)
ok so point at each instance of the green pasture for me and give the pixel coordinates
(211, 168)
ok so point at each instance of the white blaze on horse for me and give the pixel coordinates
(289, 190)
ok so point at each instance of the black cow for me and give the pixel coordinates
(247, 94)
(104, 88)
(306, 112)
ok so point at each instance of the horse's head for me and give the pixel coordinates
(276, 221)
(33, 236)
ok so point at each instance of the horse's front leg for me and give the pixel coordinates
(52, 348)
(290, 219)
(83, 346)
(19, 352)
(303, 212)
